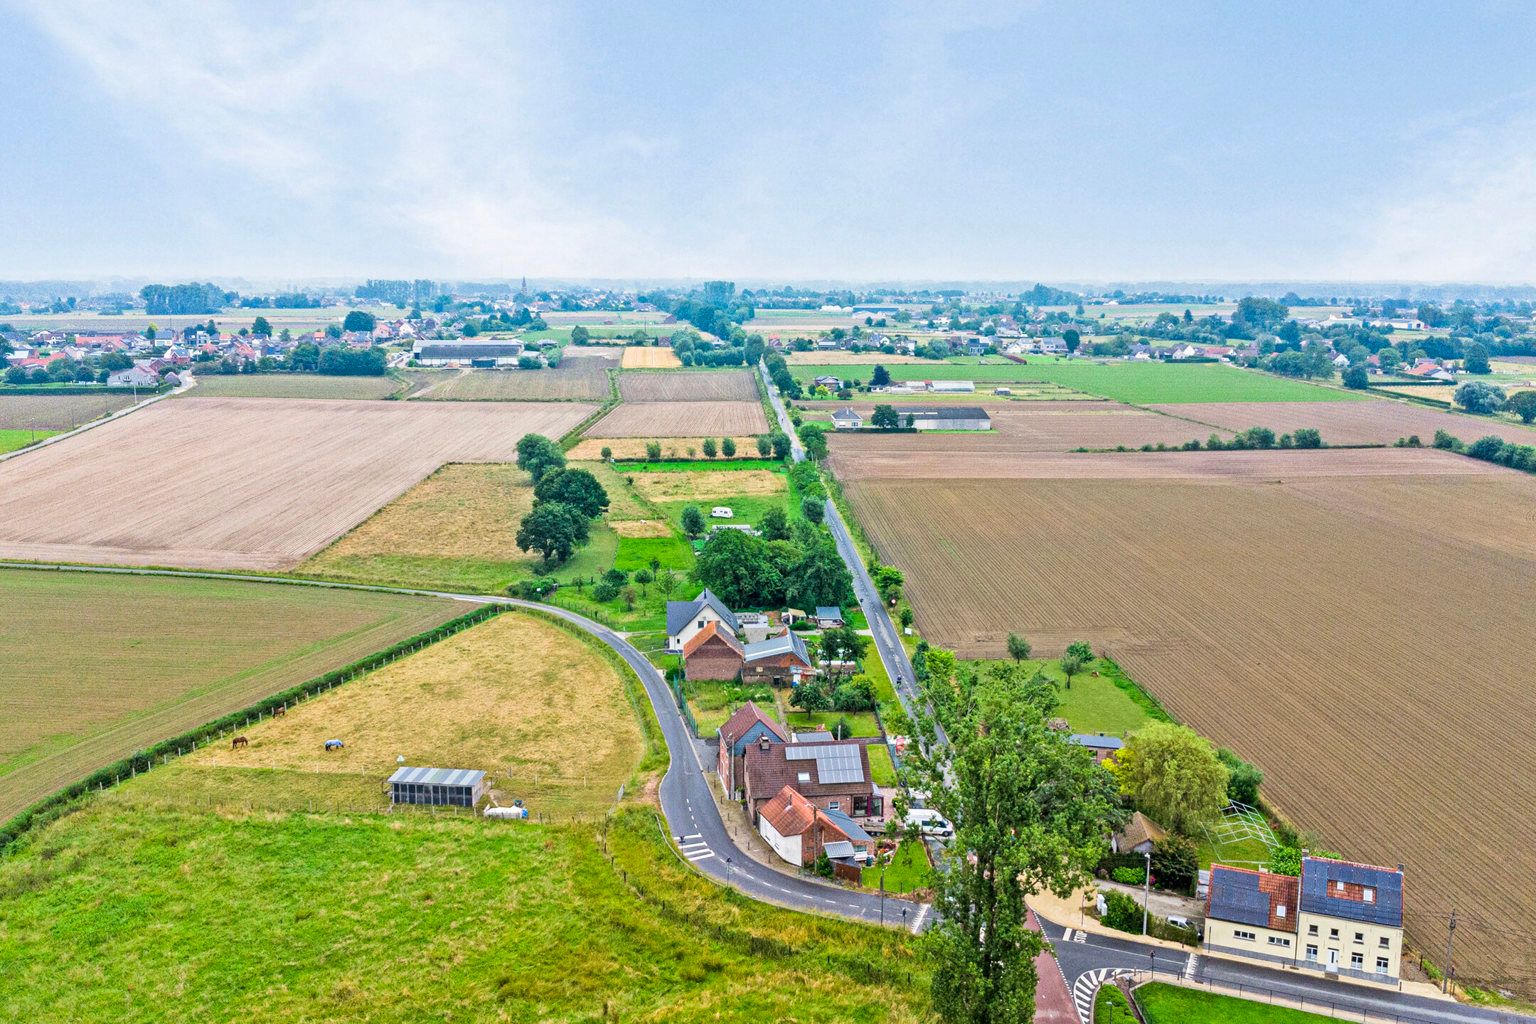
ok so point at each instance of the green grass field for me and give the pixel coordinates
(1093, 704)
(862, 723)
(94, 667)
(1122, 381)
(637, 552)
(11, 440)
(291, 385)
(881, 769)
(1170, 1004)
(178, 916)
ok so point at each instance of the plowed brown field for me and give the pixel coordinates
(1367, 641)
(681, 419)
(56, 412)
(867, 461)
(689, 386)
(244, 482)
(1377, 422)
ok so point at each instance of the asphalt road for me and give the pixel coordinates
(687, 804)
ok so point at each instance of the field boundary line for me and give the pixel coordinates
(56, 438)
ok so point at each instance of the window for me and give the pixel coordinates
(1311, 952)
(1382, 965)
(1280, 911)
(1333, 933)
(860, 806)
(1276, 940)
(1359, 938)
(1311, 929)
(1385, 943)
(1238, 933)
(1357, 961)
(1369, 895)
(834, 805)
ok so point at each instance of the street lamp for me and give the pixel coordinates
(882, 893)
(1146, 898)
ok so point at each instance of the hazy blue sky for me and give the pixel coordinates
(1080, 141)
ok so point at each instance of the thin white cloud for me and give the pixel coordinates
(1468, 213)
(418, 120)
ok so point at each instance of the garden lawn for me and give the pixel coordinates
(909, 869)
(881, 769)
(1170, 1004)
(637, 552)
(862, 723)
(1093, 704)
(11, 440)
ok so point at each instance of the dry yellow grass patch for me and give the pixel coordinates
(591, 448)
(464, 510)
(641, 528)
(705, 484)
(543, 714)
(638, 357)
(841, 358)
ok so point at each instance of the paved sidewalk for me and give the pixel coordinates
(1053, 1000)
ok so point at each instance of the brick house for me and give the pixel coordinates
(799, 831)
(686, 618)
(743, 729)
(713, 653)
(833, 775)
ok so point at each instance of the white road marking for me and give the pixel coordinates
(1191, 966)
(1087, 986)
(917, 924)
(699, 855)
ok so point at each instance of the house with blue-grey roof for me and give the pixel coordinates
(781, 660)
(1351, 919)
(686, 618)
(1338, 917)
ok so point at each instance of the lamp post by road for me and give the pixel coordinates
(1146, 898)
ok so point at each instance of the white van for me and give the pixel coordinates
(928, 822)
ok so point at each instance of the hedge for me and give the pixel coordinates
(55, 806)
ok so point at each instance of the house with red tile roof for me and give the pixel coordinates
(744, 728)
(799, 831)
(713, 653)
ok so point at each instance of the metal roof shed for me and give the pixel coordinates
(440, 787)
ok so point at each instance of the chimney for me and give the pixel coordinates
(762, 743)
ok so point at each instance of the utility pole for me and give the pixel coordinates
(882, 894)
(1450, 940)
(1146, 899)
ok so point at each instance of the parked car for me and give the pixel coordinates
(928, 822)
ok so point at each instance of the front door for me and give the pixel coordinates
(1333, 958)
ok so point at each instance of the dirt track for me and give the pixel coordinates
(244, 483)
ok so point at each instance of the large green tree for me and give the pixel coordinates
(1173, 775)
(1522, 404)
(740, 569)
(554, 530)
(575, 487)
(537, 455)
(820, 577)
(358, 320)
(1031, 813)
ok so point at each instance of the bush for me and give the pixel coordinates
(1129, 876)
(1447, 441)
(1121, 912)
(1175, 864)
(1111, 1007)
(1308, 437)
(1242, 778)
(605, 591)
(1486, 448)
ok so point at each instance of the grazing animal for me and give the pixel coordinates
(280, 711)
(238, 742)
(334, 744)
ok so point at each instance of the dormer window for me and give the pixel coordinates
(1280, 911)
(1369, 895)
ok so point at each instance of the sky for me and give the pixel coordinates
(785, 141)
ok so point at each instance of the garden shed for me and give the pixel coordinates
(441, 787)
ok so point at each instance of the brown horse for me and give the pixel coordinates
(280, 711)
(238, 742)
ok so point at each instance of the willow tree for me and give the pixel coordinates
(1032, 813)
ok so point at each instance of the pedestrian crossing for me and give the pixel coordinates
(1192, 967)
(1087, 986)
(694, 848)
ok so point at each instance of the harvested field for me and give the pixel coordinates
(589, 449)
(689, 386)
(1378, 422)
(646, 357)
(1287, 619)
(639, 528)
(681, 419)
(57, 412)
(573, 380)
(706, 484)
(468, 697)
(458, 526)
(243, 482)
(841, 358)
(290, 385)
(164, 655)
(860, 457)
